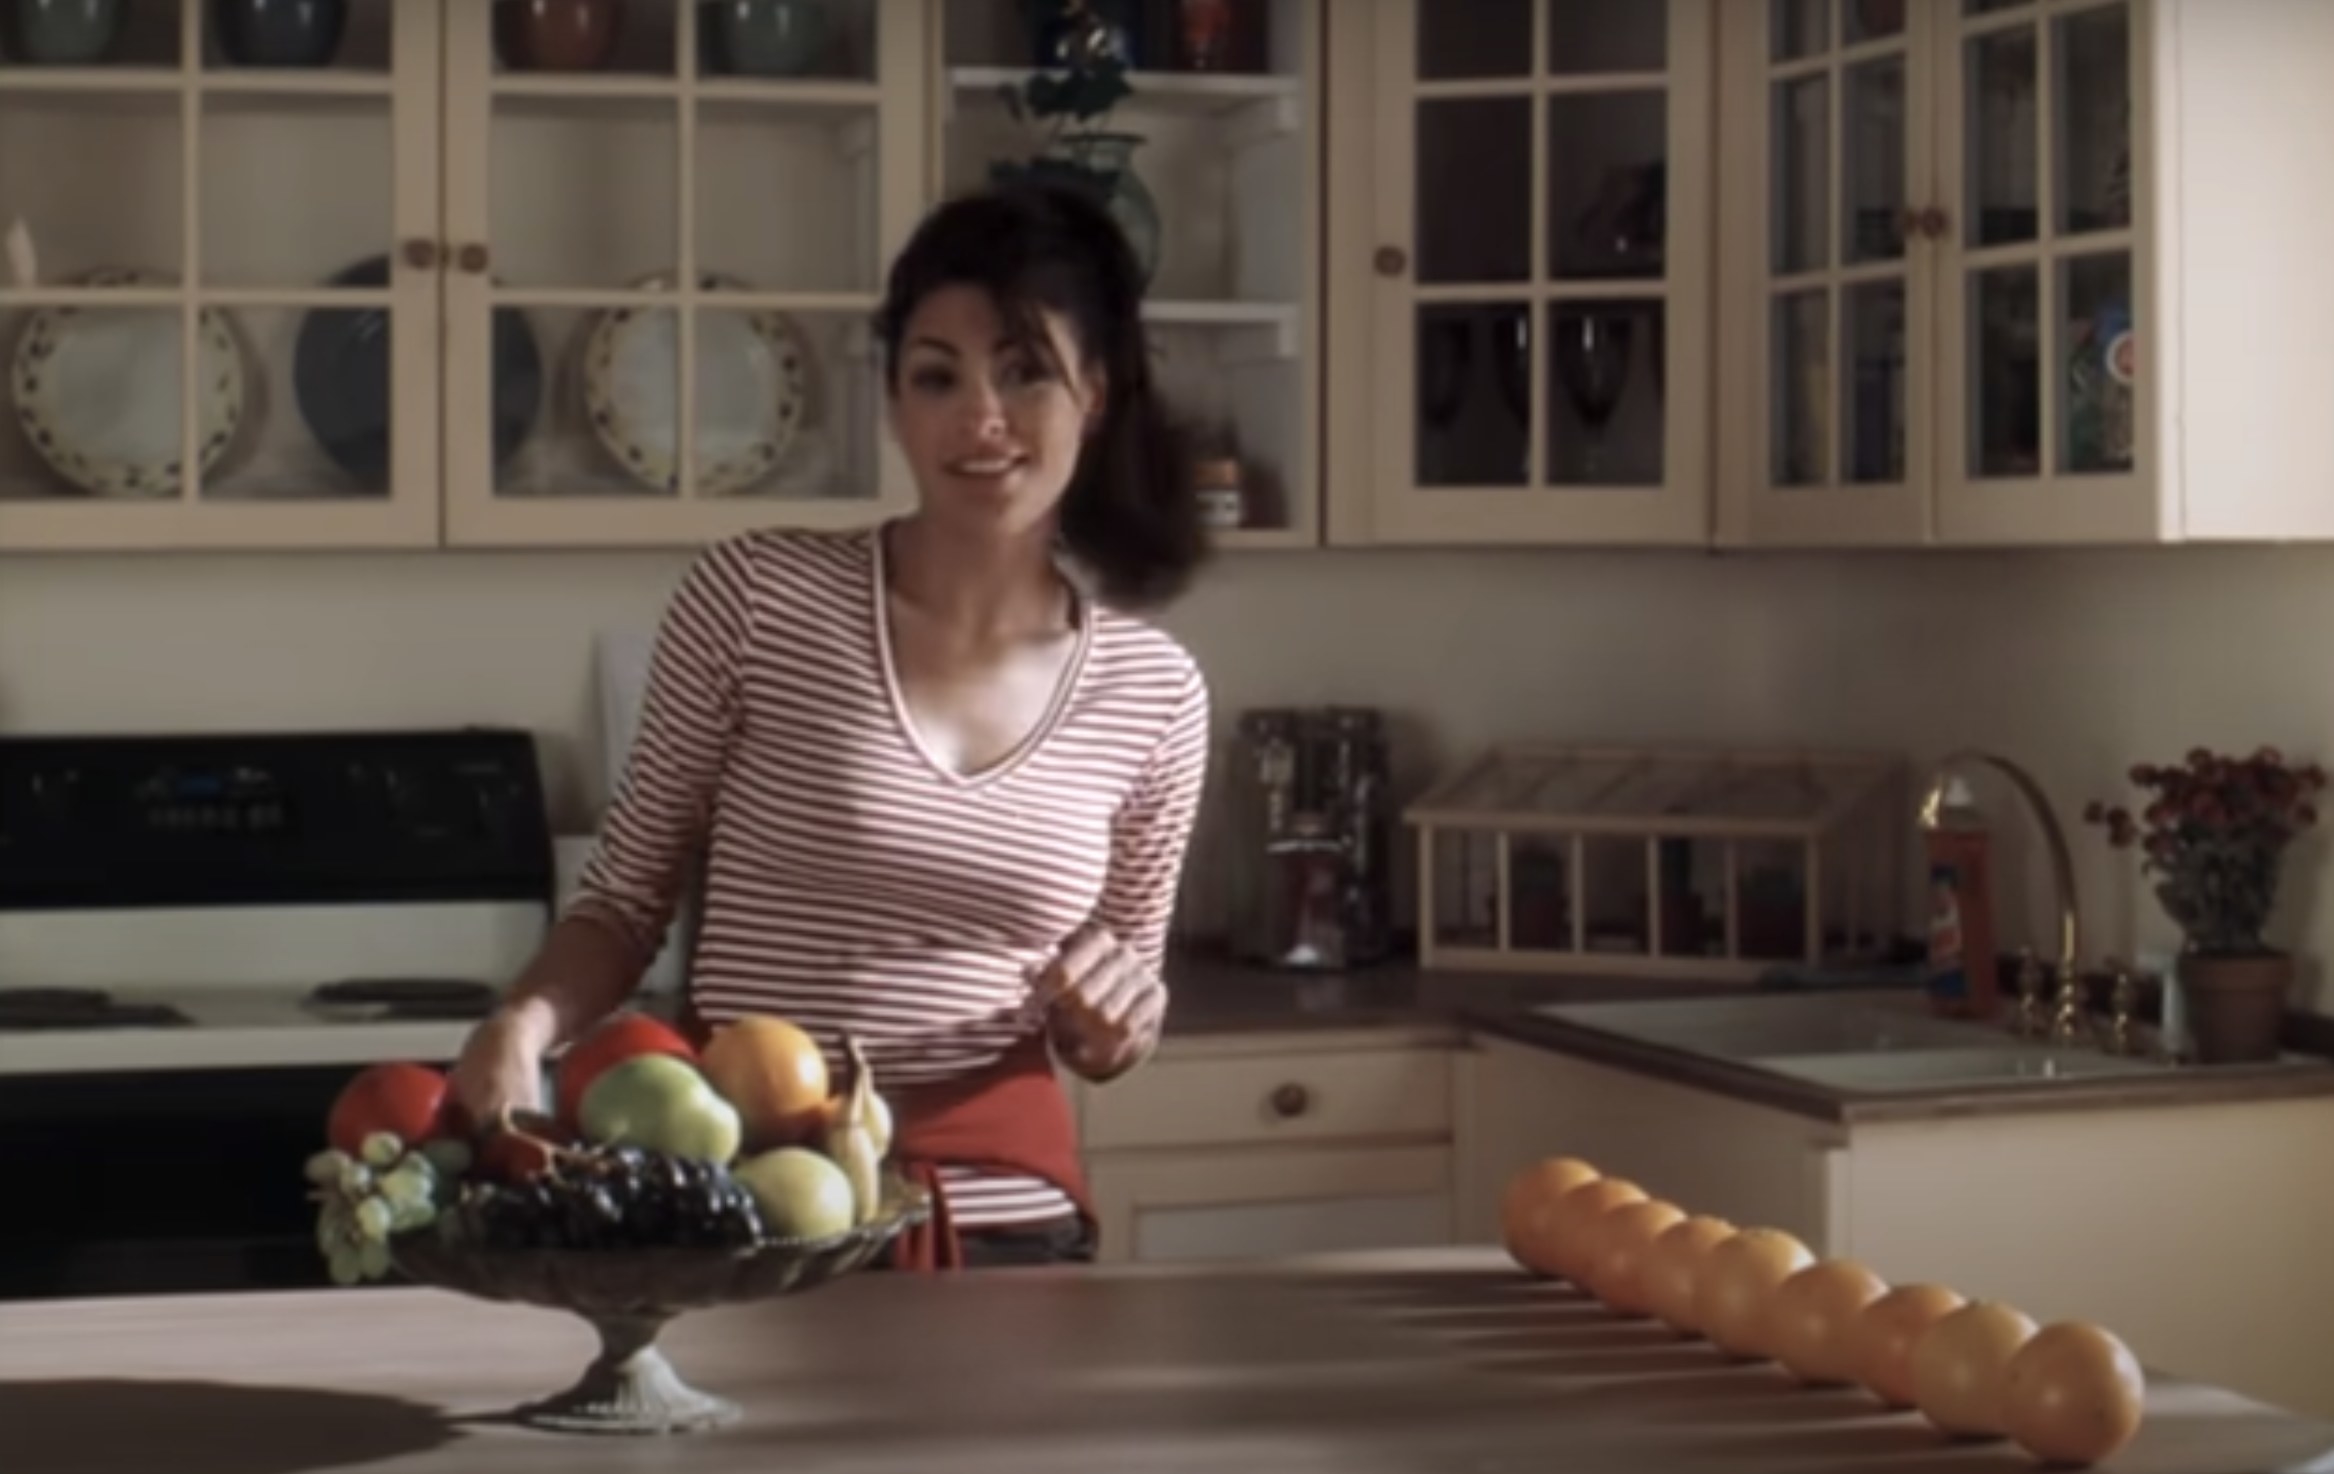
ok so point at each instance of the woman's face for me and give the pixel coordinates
(990, 427)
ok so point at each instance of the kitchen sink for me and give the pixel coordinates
(1767, 1026)
(1924, 1069)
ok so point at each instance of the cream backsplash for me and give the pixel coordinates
(2076, 664)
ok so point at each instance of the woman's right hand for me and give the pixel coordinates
(501, 1066)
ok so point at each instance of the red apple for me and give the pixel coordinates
(411, 1102)
(613, 1042)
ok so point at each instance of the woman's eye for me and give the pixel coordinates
(1024, 372)
(931, 380)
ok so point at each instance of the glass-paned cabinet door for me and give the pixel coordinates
(1824, 171)
(1209, 165)
(219, 293)
(2042, 326)
(668, 231)
(1541, 322)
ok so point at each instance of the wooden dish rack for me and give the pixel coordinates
(1660, 861)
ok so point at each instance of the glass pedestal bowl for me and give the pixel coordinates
(628, 1296)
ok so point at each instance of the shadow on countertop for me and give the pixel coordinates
(126, 1425)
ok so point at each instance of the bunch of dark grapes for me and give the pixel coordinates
(614, 1198)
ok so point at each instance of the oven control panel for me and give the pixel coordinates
(310, 817)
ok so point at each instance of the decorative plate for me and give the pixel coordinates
(97, 390)
(753, 390)
(341, 371)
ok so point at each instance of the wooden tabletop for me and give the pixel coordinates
(1440, 1361)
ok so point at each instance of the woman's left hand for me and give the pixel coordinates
(1103, 1004)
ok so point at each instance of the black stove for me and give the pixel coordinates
(337, 884)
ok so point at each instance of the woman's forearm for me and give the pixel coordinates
(582, 973)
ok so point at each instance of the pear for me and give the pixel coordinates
(663, 1104)
(799, 1193)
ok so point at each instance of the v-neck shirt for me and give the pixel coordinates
(887, 662)
(849, 881)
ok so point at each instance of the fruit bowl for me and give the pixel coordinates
(629, 1294)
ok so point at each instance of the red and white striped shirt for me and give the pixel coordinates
(850, 882)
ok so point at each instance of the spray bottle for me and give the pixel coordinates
(1959, 900)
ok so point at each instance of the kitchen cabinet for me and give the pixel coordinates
(1708, 1152)
(1519, 273)
(222, 324)
(698, 256)
(2192, 1230)
(2022, 272)
(427, 291)
(1245, 1146)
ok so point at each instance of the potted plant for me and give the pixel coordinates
(1071, 101)
(2213, 835)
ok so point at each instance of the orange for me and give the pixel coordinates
(775, 1075)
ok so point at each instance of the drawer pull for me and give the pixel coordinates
(1291, 1101)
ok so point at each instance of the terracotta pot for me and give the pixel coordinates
(557, 35)
(2235, 1005)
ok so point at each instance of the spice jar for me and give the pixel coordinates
(1222, 504)
(1206, 30)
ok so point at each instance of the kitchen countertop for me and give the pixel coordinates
(1215, 999)
(1410, 1361)
(1221, 1004)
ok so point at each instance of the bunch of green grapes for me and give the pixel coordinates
(383, 1191)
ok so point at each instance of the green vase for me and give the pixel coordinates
(1109, 159)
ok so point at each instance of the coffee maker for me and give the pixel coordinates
(1309, 809)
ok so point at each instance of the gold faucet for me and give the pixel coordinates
(2066, 1025)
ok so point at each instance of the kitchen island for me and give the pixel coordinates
(1435, 1360)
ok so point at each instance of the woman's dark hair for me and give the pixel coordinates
(1131, 514)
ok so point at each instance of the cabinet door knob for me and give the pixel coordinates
(1934, 223)
(1392, 260)
(421, 255)
(1291, 1101)
(473, 258)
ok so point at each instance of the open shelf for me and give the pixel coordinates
(812, 93)
(1260, 102)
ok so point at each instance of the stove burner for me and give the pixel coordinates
(79, 1008)
(405, 998)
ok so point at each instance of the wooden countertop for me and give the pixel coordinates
(1437, 1360)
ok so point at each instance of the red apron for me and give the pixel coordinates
(1012, 1118)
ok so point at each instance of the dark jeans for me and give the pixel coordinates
(1062, 1241)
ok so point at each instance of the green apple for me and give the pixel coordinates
(661, 1103)
(801, 1193)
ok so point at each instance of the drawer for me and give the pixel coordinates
(1258, 1099)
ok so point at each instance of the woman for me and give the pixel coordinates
(942, 794)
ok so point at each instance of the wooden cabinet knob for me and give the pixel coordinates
(421, 255)
(473, 258)
(1934, 223)
(1291, 1101)
(1392, 260)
